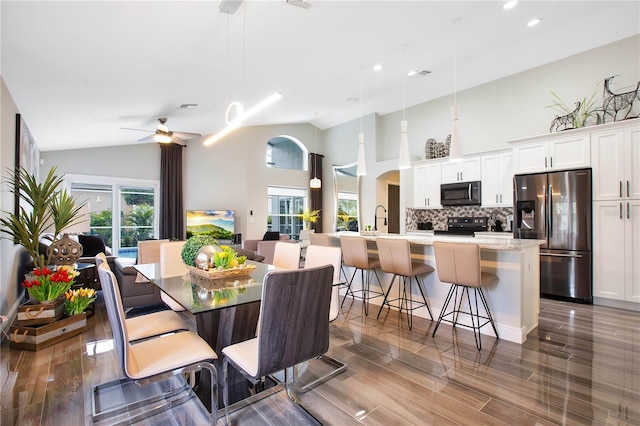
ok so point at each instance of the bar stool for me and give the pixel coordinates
(395, 258)
(459, 264)
(355, 254)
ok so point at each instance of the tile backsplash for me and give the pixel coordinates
(439, 216)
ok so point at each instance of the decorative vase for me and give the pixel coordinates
(66, 251)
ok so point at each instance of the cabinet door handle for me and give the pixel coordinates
(551, 162)
(620, 189)
(428, 201)
(545, 162)
(496, 198)
(628, 189)
(628, 210)
(500, 197)
(460, 175)
(620, 210)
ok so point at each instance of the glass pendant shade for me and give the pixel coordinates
(405, 162)
(455, 153)
(315, 183)
(361, 167)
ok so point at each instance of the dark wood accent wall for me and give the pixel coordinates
(315, 170)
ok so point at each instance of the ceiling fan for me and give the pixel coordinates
(162, 134)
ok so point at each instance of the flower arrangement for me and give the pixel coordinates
(78, 300)
(46, 284)
(227, 258)
(310, 216)
(193, 245)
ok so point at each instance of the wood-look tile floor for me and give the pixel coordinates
(581, 366)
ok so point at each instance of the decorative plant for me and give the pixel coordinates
(42, 206)
(227, 258)
(78, 300)
(46, 284)
(310, 216)
(577, 116)
(193, 244)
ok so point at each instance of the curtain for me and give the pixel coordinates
(315, 160)
(171, 206)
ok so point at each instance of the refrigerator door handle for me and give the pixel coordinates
(550, 210)
(576, 256)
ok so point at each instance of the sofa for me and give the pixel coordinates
(266, 247)
(134, 293)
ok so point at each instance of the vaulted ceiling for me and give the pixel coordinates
(79, 71)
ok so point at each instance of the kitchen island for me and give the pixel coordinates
(514, 300)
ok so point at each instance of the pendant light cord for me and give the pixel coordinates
(404, 79)
(455, 77)
(361, 109)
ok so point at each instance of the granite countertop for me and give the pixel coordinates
(485, 242)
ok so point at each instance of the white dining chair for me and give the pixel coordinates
(286, 255)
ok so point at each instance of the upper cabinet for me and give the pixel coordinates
(461, 171)
(616, 164)
(426, 184)
(497, 179)
(551, 153)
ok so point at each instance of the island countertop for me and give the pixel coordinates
(485, 242)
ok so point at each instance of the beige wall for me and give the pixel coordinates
(8, 267)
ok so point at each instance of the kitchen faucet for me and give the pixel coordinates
(375, 217)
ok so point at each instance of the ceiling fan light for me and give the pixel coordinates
(162, 137)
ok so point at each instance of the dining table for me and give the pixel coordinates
(226, 311)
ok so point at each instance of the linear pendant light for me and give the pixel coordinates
(361, 165)
(405, 162)
(455, 153)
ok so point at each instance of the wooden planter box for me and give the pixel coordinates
(30, 314)
(39, 337)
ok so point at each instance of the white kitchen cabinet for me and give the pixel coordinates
(552, 153)
(426, 185)
(616, 250)
(461, 171)
(497, 179)
(616, 164)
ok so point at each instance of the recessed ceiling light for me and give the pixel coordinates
(412, 73)
(510, 4)
(187, 106)
(377, 67)
(354, 99)
(534, 22)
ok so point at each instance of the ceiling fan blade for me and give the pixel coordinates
(147, 138)
(137, 130)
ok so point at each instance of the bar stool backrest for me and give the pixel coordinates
(458, 263)
(395, 256)
(286, 255)
(354, 251)
(319, 240)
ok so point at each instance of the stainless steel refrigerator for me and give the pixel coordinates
(556, 207)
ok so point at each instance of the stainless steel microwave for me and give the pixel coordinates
(460, 194)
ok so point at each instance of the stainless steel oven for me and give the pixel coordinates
(460, 194)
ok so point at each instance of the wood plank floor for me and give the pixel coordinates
(582, 366)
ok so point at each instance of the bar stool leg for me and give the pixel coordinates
(349, 288)
(443, 312)
(386, 296)
(424, 295)
(486, 308)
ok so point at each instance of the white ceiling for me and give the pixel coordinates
(79, 71)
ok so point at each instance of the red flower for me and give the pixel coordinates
(26, 284)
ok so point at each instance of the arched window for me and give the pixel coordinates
(286, 152)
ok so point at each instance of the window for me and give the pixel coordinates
(285, 205)
(136, 202)
(285, 152)
(347, 211)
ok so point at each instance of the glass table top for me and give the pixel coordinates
(218, 294)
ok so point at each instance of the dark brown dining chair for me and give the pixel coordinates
(293, 327)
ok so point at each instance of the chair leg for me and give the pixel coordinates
(423, 291)
(386, 296)
(486, 308)
(225, 390)
(443, 312)
(348, 288)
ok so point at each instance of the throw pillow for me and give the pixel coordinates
(91, 245)
(271, 236)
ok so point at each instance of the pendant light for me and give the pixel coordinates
(361, 166)
(455, 153)
(405, 162)
(315, 183)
